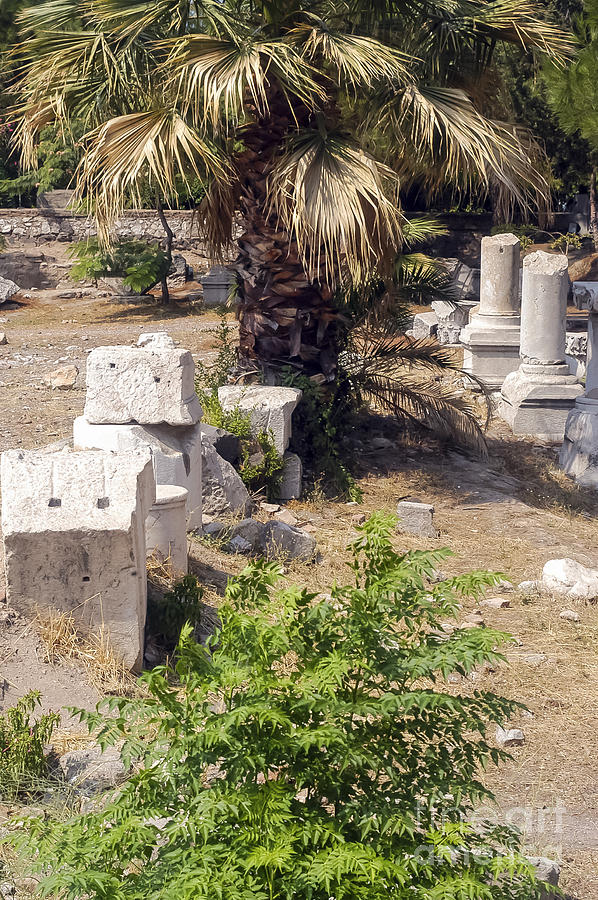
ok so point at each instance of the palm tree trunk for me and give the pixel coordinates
(285, 318)
(593, 209)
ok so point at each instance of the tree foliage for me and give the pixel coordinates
(310, 752)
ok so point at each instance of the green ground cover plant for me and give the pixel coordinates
(23, 738)
(310, 752)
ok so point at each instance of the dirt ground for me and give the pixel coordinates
(510, 513)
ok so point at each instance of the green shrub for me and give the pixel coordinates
(141, 265)
(565, 242)
(261, 465)
(22, 741)
(311, 752)
(168, 612)
(525, 233)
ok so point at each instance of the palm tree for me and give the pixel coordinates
(304, 120)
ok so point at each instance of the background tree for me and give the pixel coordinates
(573, 95)
(260, 101)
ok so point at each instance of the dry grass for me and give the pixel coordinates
(64, 640)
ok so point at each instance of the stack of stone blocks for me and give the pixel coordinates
(78, 524)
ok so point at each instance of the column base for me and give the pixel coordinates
(491, 348)
(579, 452)
(536, 400)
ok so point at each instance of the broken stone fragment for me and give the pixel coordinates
(227, 445)
(569, 615)
(510, 737)
(497, 602)
(91, 771)
(416, 518)
(270, 408)
(568, 578)
(286, 516)
(291, 481)
(63, 378)
(8, 289)
(223, 491)
(282, 540)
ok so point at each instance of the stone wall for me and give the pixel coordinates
(38, 226)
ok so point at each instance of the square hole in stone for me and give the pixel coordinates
(86, 578)
(156, 379)
(54, 501)
(112, 365)
(103, 502)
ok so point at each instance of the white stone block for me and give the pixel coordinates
(176, 453)
(416, 518)
(165, 528)
(146, 385)
(74, 539)
(270, 408)
(292, 475)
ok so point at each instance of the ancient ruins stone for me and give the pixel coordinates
(8, 289)
(282, 540)
(548, 871)
(510, 737)
(466, 281)
(251, 531)
(176, 453)
(217, 286)
(156, 340)
(416, 518)
(227, 445)
(3, 338)
(568, 578)
(63, 378)
(145, 385)
(569, 615)
(425, 325)
(497, 602)
(166, 528)
(91, 771)
(74, 539)
(291, 483)
(286, 516)
(270, 408)
(238, 544)
(223, 491)
(576, 352)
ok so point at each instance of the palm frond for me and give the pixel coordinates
(518, 21)
(216, 75)
(420, 279)
(443, 138)
(359, 60)
(417, 229)
(339, 203)
(158, 144)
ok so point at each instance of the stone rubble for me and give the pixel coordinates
(566, 578)
(510, 737)
(91, 771)
(63, 378)
(569, 615)
(282, 540)
(223, 491)
(416, 518)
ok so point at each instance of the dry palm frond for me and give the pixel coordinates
(443, 138)
(518, 21)
(216, 76)
(157, 144)
(359, 60)
(339, 203)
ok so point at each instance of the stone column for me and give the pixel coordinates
(536, 399)
(491, 339)
(579, 452)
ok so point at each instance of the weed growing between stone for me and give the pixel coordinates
(311, 752)
(23, 737)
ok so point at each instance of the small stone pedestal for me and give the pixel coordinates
(491, 339)
(536, 399)
(579, 452)
(165, 528)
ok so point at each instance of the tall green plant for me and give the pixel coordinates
(310, 752)
(23, 739)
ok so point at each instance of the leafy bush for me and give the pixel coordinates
(311, 752)
(141, 265)
(22, 742)
(168, 612)
(261, 464)
(565, 242)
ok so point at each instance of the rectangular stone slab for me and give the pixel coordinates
(74, 539)
(147, 385)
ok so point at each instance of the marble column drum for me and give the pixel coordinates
(491, 339)
(579, 452)
(537, 398)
